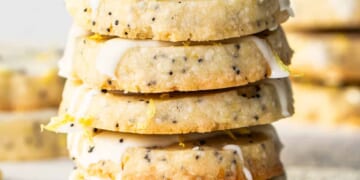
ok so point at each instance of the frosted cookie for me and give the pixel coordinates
(252, 155)
(28, 79)
(185, 20)
(174, 113)
(327, 105)
(152, 66)
(21, 138)
(325, 14)
(329, 57)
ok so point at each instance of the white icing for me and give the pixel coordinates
(345, 9)
(66, 62)
(237, 148)
(283, 94)
(94, 4)
(275, 27)
(86, 103)
(264, 47)
(113, 50)
(107, 146)
(30, 116)
(78, 110)
(285, 6)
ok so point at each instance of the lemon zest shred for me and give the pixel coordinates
(99, 38)
(244, 131)
(181, 142)
(231, 135)
(57, 122)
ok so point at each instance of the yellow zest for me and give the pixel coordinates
(98, 37)
(285, 67)
(231, 135)
(85, 122)
(181, 141)
(281, 63)
(57, 122)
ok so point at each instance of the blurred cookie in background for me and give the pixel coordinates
(330, 58)
(21, 137)
(28, 79)
(331, 106)
(324, 15)
(30, 92)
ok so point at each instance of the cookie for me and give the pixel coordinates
(174, 113)
(250, 155)
(325, 14)
(154, 67)
(331, 58)
(21, 138)
(28, 79)
(185, 20)
(327, 105)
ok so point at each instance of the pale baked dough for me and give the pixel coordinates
(184, 20)
(174, 113)
(254, 155)
(152, 67)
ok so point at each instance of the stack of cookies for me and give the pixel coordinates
(326, 38)
(29, 96)
(175, 89)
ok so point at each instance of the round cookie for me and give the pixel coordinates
(21, 137)
(332, 58)
(325, 14)
(174, 113)
(185, 20)
(250, 155)
(154, 67)
(327, 105)
(28, 79)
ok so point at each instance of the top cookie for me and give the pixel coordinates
(325, 14)
(183, 20)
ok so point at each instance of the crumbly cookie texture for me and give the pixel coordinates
(327, 105)
(173, 113)
(185, 20)
(21, 138)
(325, 14)
(153, 67)
(248, 154)
(332, 58)
(28, 79)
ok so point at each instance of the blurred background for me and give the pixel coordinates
(322, 141)
(33, 33)
(38, 23)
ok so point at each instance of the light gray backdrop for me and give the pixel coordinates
(34, 22)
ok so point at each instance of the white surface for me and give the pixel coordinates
(35, 22)
(39, 170)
